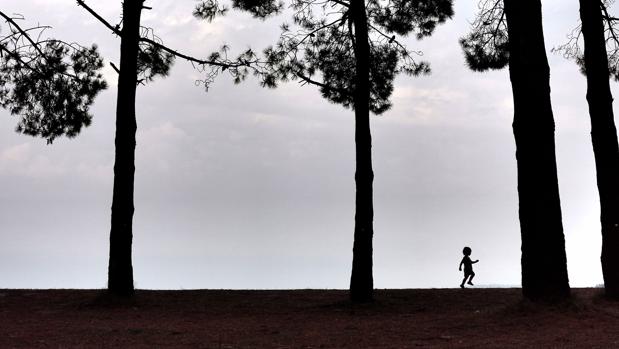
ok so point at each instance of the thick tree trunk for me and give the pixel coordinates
(544, 265)
(604, 138)
(361, 281)
(120, 269)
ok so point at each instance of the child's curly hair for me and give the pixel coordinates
(466, 251)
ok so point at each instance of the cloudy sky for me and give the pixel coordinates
(244, 187)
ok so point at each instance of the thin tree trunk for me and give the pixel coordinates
(361, 281)
(604, 139)
(544, 265)
(120, 269)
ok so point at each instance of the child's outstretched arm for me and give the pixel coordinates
(473, 262)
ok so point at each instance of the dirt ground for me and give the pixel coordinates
(444, 318)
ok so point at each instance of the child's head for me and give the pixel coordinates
(466, 251)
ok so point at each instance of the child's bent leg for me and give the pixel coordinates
(471, 279)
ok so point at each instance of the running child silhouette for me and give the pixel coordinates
(468, 266)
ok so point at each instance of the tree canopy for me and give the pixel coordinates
(321, 39)
(573, 48)
(49, 83)
(486, 47)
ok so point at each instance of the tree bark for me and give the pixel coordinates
(604, 139)
(120, 269)
(361, 281)
(544, 265)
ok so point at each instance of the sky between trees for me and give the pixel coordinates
(203, 222)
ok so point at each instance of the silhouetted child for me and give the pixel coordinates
(468, 266)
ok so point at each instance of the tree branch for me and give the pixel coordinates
(320, 84)
(609, 19)
(12, 22)
(23, 33)
(339, 2)
(117, 31)
(115, 67)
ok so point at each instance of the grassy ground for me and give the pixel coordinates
(453, 318)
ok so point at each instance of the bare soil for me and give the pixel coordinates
(445, 318)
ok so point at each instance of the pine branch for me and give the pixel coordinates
(117, 31)
(12, 22)
(320, 84)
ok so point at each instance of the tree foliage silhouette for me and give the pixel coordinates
(143, 57)
(50, 84)
(355, 46)
(510, 32)
(599, 61)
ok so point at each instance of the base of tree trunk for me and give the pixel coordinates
(548, 296)
(610, 261)
(361, 297)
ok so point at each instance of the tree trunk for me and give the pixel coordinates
(120, 269)
(361, 281)
(604, 139)
(544, 265)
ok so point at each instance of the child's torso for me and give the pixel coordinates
(468, 265)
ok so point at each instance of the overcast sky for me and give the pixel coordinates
(244, 187)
